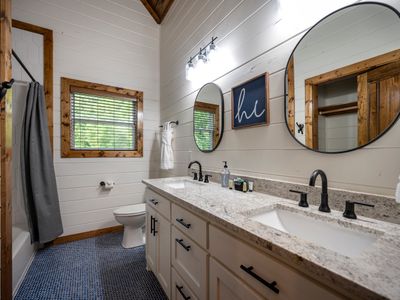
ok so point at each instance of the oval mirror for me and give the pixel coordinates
(342, 85)
(208, 117)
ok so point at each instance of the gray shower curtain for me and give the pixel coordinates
(39, 181)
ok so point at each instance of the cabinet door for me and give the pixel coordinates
(226, 286)
(151, 241)
(163, 234)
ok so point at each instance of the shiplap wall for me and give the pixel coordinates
(114, 42)
(259, 39)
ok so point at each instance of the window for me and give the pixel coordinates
(206, 125)
(100, 121)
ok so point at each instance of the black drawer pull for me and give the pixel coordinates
(154, 201)
(180, 221)
(151, 224)
(180, 242)
(179, 288)
(154, 227)
(272, 285)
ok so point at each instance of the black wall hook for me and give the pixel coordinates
(300, 128)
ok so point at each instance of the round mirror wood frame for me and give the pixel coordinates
(286, 84)
(221, 116)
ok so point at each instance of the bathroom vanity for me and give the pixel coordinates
(208, 242)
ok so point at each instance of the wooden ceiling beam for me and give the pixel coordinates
(158, 9)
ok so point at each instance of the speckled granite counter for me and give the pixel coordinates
(374, 274)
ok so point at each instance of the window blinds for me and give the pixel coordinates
(204, 129)
(102, 122)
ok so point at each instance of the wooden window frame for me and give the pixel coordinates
(66, 85)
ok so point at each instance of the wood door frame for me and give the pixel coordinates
(356, 69)
(6, 151)
(47, 67)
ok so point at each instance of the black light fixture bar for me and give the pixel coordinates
(202, 49)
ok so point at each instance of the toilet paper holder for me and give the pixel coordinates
(107, 185)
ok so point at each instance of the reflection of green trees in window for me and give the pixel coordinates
(103, 122)
(204, 127)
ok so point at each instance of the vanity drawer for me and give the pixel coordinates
(180, 289)
(190, 261)
(159, 203)
(225, 285)
(190, 224)
(248, 263)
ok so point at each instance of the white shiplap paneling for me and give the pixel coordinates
(114, 42)
(259, 40)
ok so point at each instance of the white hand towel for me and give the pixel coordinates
(167, 155)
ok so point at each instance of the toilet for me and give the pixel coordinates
(133, 218)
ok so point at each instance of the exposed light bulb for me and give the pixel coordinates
(190, 70)
(212, 52)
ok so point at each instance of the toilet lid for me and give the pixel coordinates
(131, 210)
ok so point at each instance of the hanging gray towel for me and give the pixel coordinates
(39, 180)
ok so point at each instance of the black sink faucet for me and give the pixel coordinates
(324, 207)
(199, 164)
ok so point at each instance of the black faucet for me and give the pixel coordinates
(324, 207)
(200, 172)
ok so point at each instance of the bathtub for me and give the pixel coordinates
(22, 255)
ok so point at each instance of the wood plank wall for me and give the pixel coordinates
(6, 152)
(258, 40)
(112, 42)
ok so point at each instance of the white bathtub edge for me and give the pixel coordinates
(17, 286)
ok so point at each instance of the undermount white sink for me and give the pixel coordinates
(184, 183)
(342, 240)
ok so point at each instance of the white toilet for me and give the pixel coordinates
(133, 218)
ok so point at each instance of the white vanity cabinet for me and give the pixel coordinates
(194, 259)
(158, 246)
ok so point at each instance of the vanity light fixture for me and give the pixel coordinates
(205, 54)
(190, 70)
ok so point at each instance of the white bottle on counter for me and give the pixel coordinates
(398, 192)
(225, 174)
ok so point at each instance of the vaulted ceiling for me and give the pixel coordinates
(157, 8)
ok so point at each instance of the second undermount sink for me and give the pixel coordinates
(346, 241)
(184, 183)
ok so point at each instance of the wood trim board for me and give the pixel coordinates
(47, 67)
(6, 151)
(85, 235)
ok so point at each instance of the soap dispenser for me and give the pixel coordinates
(398, 192)
(225, 175)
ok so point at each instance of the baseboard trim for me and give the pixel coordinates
(85, 235)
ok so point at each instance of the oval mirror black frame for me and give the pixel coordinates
(222, 119)
(286, 82)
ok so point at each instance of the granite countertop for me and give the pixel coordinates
(372, 274)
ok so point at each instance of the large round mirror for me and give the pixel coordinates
(342, 82)
(208, 117)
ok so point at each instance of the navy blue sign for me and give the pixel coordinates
(250, 103)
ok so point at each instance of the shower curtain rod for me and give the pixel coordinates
(23, 66)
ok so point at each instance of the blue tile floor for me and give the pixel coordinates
(95, 268)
